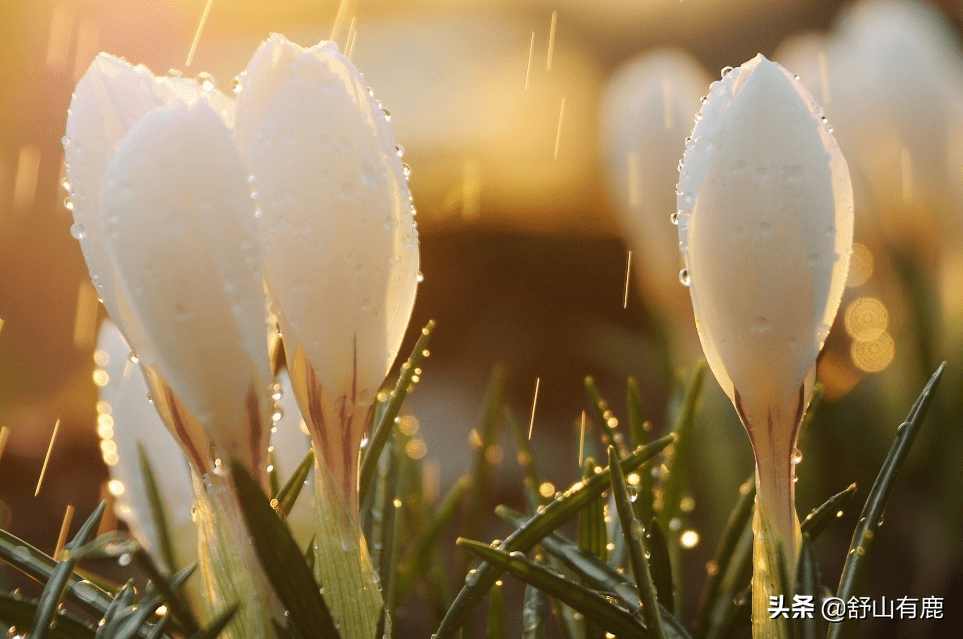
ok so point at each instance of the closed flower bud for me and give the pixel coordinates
(766, 225)
(339, 241)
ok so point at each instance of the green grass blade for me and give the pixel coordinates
(496, 613)
(738, 520)
(110, 545)
(382, 430)
(588, 602)
(554, 515)
(534, 614)
(659, 564)
(179, 608)
(592, 536)
(273, 475)
(123, 599)
(853, 578)
(158, 512)
(817, 521)
(808, 585)
(127, 624)
(606, 419)
(53, 592)
(281, 559)
(217, 626)
(19, 612)
(286, 496)
(158, 630)
(482, 468)
(633, 532)
(639, 436)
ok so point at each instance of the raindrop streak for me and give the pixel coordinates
(531, 50)
(628, 270)
(558, 134)
(551, 42)
(531, 421)
(197, 34)
(46, 459)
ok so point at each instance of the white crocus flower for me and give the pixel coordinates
(766, 225)
(645, 116)
(341, 264)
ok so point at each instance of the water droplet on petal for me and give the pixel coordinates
(685, 278)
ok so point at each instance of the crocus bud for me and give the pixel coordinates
(766, 227)
(645, 117)
(339, 241)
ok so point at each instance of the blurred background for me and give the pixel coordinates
(543, 139)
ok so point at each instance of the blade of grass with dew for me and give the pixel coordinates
(39, 566)
(855, 570)
(158, 630)
(554, 515)
(375, 524)
(110, 545)
(633, 532)
(607, 420)
(808, 585)
(382, 429)
(217, 626)
(427, 542)
(535, 610)
(126, 624)
(495, 625)
(19, 612)
(673, 485)
(286, 496)
(123, 599)
(817, 521)
(738, 519)
(594, 606)
(601, 575)
(487, 437)
(659, 564)
(281, 559)
(180, 609)
(592, 536)
(53, 591)
(158, 512)
(396, 523)
(274, 478)
(639, 436)
(805, 427)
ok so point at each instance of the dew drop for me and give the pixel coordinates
(400, 150)
(206, 80)
(420, 277)
(68, 204)
(65, 183)
(406, 170)
(77, 231)
(761, 325)
(236, 84)
(726, 71)
(684, 277)
(674, 218)
(796, 456)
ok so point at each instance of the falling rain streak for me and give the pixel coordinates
(337, 19)
(46, 459)
(551, 42)
(628, 270)
(531, 51)
(558, 134)
(581, 440)
(197, 34)
(531, 421)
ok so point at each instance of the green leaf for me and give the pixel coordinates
(18, 612)
(808, 584)
(482, 468)
(639, 436)
(171, 590)
(852, 582)
(110, 545)
(817, 521)
(525, 538)
(287, 495)
(594, 606)
(218, 625)
(53, 591)
(281, 559)
(372, 452)
(592, 536)
(158, 512)
(496, 613)
(739, 518)
(633, 532)
(659, 564)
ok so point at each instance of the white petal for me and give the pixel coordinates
(181, 234)
(340, 247)
(767, 232)
(110, 97)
